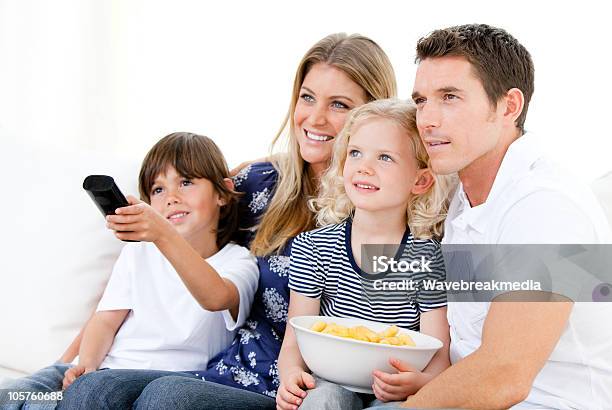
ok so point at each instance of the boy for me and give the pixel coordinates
(173, 300)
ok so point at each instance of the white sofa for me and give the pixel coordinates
(57, 253)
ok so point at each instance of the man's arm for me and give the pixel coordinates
(517, 339)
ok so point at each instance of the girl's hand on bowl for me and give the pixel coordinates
(291, 391)
(398, 386)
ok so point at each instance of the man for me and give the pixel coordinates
(472, 89)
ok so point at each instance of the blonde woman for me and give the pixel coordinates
(378, 190)
(339, 73)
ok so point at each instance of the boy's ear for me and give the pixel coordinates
(229, 184)
(424, 181)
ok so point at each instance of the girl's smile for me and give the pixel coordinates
(380, 168)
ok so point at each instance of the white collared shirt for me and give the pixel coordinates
(532, 202)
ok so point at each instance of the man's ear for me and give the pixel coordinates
(424, 181)
(229, 184)
(515, 102)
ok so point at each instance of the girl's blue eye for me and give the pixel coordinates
(186, 182)
(156, 190)
(307, 97)
(354, 153)
(386, 158)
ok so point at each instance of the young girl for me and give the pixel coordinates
(378, 190)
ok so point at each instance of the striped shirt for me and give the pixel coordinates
(322, 266)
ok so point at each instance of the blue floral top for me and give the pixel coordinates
(250, 362)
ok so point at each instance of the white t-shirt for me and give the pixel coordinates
(166, 328)
(531, 202)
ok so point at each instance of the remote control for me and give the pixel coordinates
(105, 193)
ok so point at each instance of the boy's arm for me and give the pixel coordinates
(212, 292)
(517, 339)
(73, 350)
(141, 222)
(98, 337)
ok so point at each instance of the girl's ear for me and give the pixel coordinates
(424, 181)
(229, 184)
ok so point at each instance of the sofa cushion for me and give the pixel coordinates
(57, 253)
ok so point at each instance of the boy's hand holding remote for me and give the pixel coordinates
(139, 222)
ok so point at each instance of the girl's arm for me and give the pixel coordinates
(291, 367)
(434, 323)
(408, 380)
(140, 221)
(97, 340)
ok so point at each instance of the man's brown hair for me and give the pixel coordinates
(193, 156)
(499, 60)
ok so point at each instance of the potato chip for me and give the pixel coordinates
(390, 336)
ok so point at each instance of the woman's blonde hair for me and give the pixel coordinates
(425, 213)
(364, 62)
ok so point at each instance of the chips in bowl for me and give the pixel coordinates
(342, 356)
(390, 336)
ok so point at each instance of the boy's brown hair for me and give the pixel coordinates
(193, 156)
(499, 60)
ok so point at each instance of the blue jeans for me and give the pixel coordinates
(156, 389)
(110, 388)
(176, 392)
(45, 380)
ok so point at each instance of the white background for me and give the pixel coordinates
(116, 75)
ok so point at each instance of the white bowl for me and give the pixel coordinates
(350, 362)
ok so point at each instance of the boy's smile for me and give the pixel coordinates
(176, 217)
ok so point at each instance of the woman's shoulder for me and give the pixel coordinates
(256, 183)
(255, 175)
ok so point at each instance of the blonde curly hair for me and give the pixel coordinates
(425, 213)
